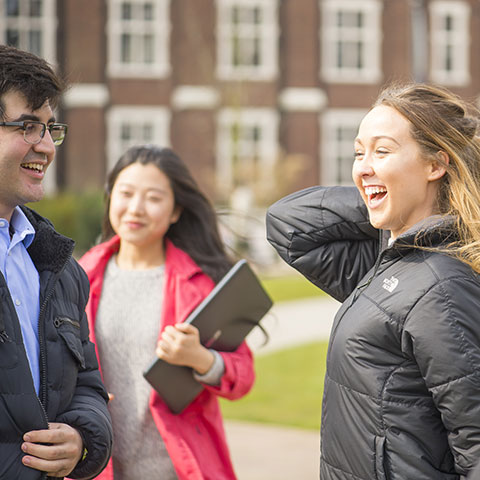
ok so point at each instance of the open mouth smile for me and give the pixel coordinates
(375, 195)
(36, 167)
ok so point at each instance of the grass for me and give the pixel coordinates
(288, 389)
(291, 287)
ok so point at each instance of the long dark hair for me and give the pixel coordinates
(196, 231)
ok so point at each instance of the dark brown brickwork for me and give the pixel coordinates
(84, 149)
(82, 55)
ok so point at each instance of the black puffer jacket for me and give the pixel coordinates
(402, 388)
(71, 390)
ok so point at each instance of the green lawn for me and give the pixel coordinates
(288, 389)
(291, 287)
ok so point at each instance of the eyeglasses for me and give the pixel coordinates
(34, 131)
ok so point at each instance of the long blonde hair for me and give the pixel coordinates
(442, 121)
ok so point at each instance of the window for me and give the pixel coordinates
(128, 126)
(138, 38)
(350, 38)
(247, 39)
(246, 149)
(339, 129)
(450, 42)
(29, 25)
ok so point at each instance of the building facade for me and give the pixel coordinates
(260, 97)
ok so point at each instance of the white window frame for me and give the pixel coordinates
(159, 28)
(46, 24)
(458, 40)
(268, 35)
(137, 117)
(330, 122)
(267, 121)
(331, 35)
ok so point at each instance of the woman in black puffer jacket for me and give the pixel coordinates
(402, 252)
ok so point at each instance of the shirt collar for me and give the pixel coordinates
(23, 230)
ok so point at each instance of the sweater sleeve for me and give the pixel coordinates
(325, 234)
(443, 335)
(239, 375)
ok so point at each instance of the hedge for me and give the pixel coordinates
(76, 215)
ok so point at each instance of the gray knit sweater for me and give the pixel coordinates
(126, 330)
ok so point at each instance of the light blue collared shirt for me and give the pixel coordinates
(23, 283)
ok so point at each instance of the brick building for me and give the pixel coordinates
(260, 97)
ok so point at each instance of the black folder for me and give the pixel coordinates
(224, 318)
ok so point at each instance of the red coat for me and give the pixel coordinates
(195, 439)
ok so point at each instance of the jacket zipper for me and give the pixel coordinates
(43, 397)
(41, 340)
(358, 290)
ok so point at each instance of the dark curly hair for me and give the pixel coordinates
(196, 231)
(29, 75)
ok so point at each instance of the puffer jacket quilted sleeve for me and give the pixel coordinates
(324, 233)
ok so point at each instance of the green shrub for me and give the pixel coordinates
(75, 215)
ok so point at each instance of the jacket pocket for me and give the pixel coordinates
(69, 330)
(379, 458)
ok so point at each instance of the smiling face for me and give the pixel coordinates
(397, 182)
(142, 206)
(22, 165)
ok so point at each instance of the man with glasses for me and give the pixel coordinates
(54, 419)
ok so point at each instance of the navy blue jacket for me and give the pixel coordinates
(71, 390)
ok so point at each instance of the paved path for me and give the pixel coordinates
(265, 452)
(268, 452)
(294, 323)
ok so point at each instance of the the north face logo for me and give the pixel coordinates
(390, 284)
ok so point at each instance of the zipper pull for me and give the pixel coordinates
(61, 320)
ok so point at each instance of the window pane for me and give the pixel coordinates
(126, 11)
(257, 16)
(246, 51)
(245, 15)
(349, 55)
(125, 132)
(448, 23)
(349, 19)
(13, 38)
(126, 42)
(36, 8)
(148, 11)
(449, 65)
(360, 19)
(12, 8)
(148, 49)
(147, 135)
(35, 42)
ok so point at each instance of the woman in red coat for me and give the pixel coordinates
(161, 256)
